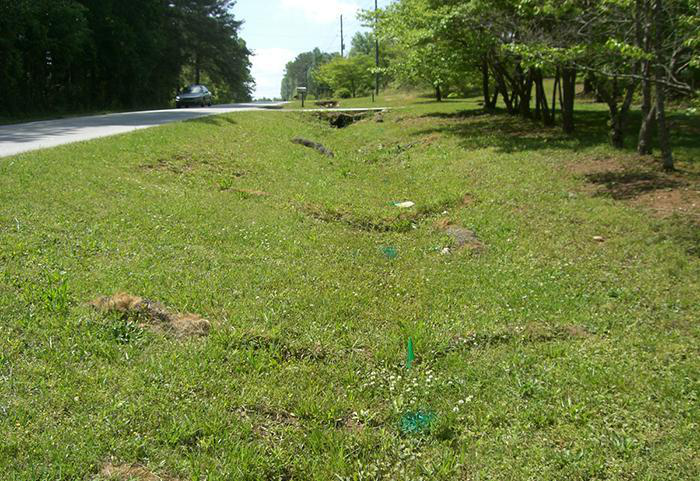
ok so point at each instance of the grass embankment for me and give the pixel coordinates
(545, 354)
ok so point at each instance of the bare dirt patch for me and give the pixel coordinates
(179, 164)
(251, 192)
(532, 333)
(279, 348)
(462, 238)
(599, 164)
(641, 182)
(665, 203)
(268, 423)
(153, 315)
(129, 472)
(403, 222)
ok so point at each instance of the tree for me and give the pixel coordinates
(301, 73)
(362, 43)
(413, 27)
(352, 73)
(63, 55)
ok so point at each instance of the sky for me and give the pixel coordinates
(279, 30)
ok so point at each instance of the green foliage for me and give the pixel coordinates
(67, 55)
(343, 93)
(353, 74)
(301, 72)
(55, 296)
(425, 57)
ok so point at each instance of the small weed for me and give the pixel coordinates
(225, 183)
(124, 331)
(56, 297)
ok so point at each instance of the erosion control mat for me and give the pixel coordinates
(153, 315)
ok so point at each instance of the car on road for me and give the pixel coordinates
(195, 95)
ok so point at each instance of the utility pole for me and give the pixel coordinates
(342, 39)
(376, 51)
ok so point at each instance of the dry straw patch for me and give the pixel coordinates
(129, 472)
(153, 315)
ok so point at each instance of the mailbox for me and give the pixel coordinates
(302, 94)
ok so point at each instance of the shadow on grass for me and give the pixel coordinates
(631, 184)
(218, 120)
(478, 128)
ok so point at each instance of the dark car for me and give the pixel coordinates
(197, 95)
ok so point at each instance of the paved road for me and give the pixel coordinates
(18, 138)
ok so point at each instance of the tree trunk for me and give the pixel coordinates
(568, 96)
(494, 99)
(526, 96)
(618, 114)
(617, 132)
(197, 70)
(438, 93)
(485, 85)
(547, 118)
(645, 131)
(659, 72)
(554, 96)
(538, 94)
(502, 87)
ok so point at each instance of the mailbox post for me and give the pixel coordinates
(302, 93)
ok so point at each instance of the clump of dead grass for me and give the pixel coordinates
(153, 315)
(129, 472)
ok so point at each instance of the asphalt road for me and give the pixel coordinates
(18, 138)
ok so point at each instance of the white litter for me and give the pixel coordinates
(405, 205)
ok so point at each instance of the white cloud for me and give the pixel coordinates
(268, 70)
(322, 11)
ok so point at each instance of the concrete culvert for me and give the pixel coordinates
(153, 315)
(340, 120)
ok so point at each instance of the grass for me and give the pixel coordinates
(548, 355)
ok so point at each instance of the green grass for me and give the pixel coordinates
(547, 356)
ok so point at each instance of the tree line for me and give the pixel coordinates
(325, 74)
(76, 55)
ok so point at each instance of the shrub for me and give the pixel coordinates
(343, 93)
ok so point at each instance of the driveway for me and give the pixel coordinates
(18, 138)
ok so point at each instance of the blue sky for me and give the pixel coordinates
(279, 30)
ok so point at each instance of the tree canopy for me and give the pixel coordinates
(621, 47)
(58, 55)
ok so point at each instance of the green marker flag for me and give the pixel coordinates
(410, 356)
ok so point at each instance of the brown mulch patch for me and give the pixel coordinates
(153, 315)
